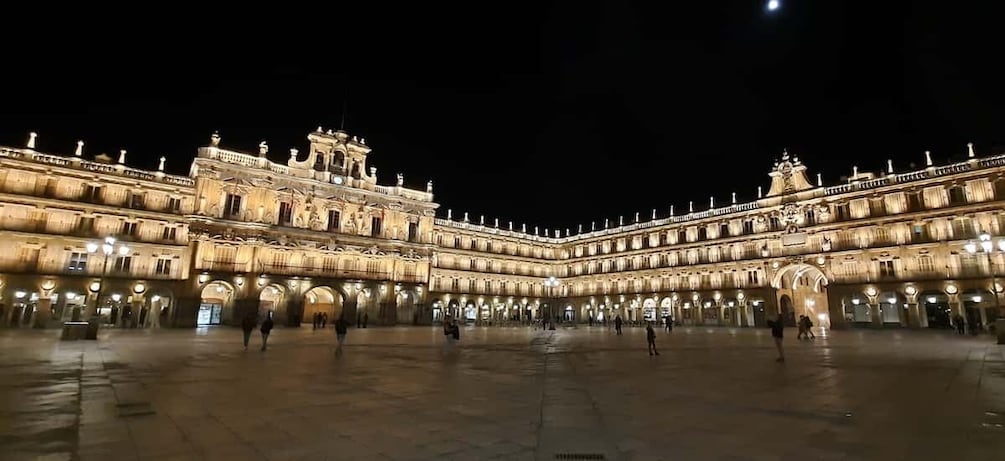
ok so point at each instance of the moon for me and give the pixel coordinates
(773, 5)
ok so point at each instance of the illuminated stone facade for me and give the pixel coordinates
(243, 234)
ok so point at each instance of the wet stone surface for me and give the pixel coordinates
(502, 393)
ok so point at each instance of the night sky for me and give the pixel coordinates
(550, 115)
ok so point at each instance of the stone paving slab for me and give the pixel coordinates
(503, 393)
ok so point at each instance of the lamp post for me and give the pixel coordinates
(107, 248)
(986, 246)
(551, 283)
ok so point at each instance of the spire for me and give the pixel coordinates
(511, 225)
(450, 214)
(122, 156)
(161, 166)
(465, 216)
(854, 172)
(523, 228)
(820, 180)
(928, 158)
(654, 214)
(734, 198)
(80, 149)
(671, 211)
(636, 216)
(889, 166)
(759, 194)
(711, 203)
(31, 139)
(970, 150)
(690, 206)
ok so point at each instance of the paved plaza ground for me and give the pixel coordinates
(505, 393)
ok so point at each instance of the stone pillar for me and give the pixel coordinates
(875, 314)
(186, 312)
(984, 316)
(137, 307)
(913, 319)
(43, 312)
(350, 310)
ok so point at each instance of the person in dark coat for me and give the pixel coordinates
(266, 329)
(651, 339)
(324, 319)
(617, 323)
(315, 320)
(777, 331)
(248, 325)
(340, 331)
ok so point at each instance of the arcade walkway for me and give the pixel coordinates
(507, 393)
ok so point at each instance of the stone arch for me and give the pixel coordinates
(806, 288)
(323, 299)
(405, 306)
(935, 307)
(649, 312)
(216, 302)
(272, 298)
(158, 308)
(790, 276)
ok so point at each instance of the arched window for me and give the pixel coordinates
(338, 162)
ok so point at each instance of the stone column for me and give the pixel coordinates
(913, 320)
(137, 306)
(875, 314)
(43, 312)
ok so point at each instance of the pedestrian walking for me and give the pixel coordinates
(324, 319)
(669, 324)
(340, 331)
(777, 330)
(248, 325)
(617, 324)
(651, 338)
(315, 320)
(266, 329)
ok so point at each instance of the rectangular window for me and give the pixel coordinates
(455, 285)
(135, 201)
(92, 193)
(702, 233)
(488, 286)
(914, 202)
(174, 204)
(886, 269)
(333, 220)
(926, 264)
(285, 213)
(85, 224)
(413, 232)
(957, 196)
(748, 227)
(232, 206)
(457, 242)
(752, 278)
(78, 262)
(376, 226)
(169, 233)
(123, 263)
(129, 228)
(723, 230)
(775, 222)
(163, 267)
(488, 246)
(681, 236)
(843, 212)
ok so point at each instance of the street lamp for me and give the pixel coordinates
(986, 246)
(551, 283)
(107, 248)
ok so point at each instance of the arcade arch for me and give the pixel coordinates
(323, 300)
(216, 302)
(802, 290)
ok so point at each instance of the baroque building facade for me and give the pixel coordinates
(242, 234)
